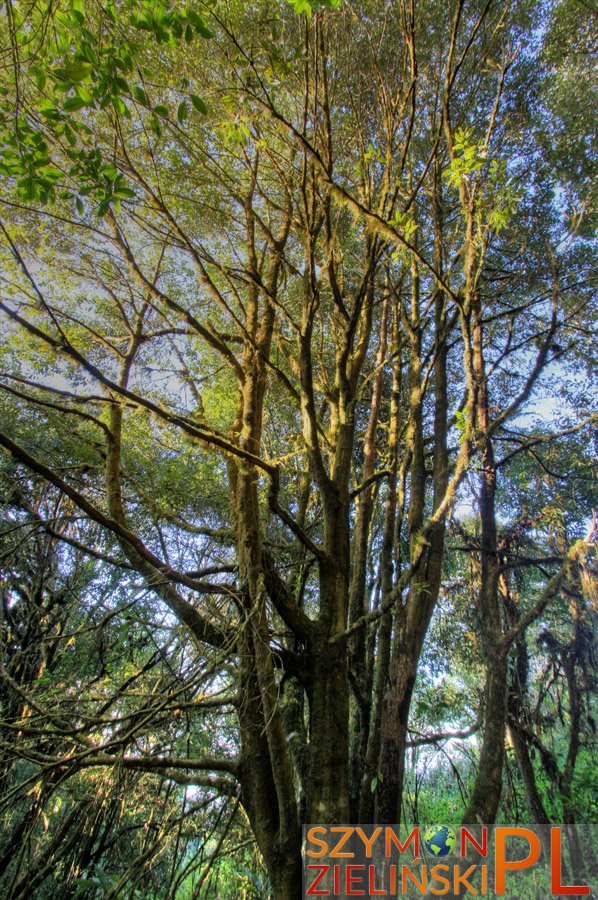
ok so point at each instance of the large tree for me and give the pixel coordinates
(273, 302)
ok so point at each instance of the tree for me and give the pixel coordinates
(289, 304)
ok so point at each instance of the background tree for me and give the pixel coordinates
(296, 307)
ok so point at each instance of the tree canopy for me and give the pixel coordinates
(299, 427)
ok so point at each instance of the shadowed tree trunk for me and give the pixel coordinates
(278, 352)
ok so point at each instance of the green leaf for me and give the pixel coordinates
(118, 105)
(302, 6)
(51, 173)
(376, 780)
(109, 170)
(27, 187)
(84, 95)
(69, 135)
(143, 22)
(198, 104)
(73, 104)
(199, 24)
(161, 110)
(77, 70)
(125, 63)
(121, 83)
(78, 10)
(182, 112)
(140, 95)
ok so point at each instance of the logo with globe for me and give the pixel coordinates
(439, 840)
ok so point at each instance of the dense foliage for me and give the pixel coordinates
(299, 427)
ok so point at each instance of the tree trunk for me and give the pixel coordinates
(533, 799)
(483, 802)
(485, 797)
(358, 598)
(328, 780)
(328, 767)
(395, 718)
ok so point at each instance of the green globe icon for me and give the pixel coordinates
(439, 840)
